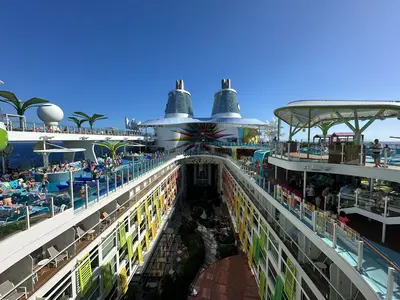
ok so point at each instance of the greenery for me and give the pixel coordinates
(197, 212)
(11, 228)
(78, 122)
(224, 251)
(90, 119)
(177, 288)
(20, 106)
(112, 146)
(227, 239)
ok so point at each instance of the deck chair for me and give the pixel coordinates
(80, 233)
(13, 293)
(55, 256)
(107, 218)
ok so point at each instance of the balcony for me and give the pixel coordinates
(90, 231)
(374, 267)
(26, 228)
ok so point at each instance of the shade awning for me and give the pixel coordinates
(303, 113)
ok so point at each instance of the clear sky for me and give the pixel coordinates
(120, 58)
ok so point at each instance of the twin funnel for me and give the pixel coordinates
(225, 104)
(179, 103)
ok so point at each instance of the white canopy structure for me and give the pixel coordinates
(308, 113)
(304, 113)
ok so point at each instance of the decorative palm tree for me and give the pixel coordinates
(112, 146)
(20, 106)
(90, 119)
(325, 127)
(77, 121)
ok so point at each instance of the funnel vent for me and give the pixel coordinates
(179, 103)
(226, 104)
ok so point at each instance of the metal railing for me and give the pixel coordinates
(329, 228)
(102, 224)
(387, 206)
(41, 127)
(34, 210)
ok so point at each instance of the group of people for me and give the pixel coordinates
(325, 195)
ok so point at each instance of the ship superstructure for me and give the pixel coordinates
(103, 238)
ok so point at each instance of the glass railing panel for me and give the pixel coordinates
(15, 218)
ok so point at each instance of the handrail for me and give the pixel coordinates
(373, 248)
(381, 254)
(110, 216)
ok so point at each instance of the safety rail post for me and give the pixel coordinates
(314, 220)
(108, 185)
(133, 168)
(71, 190)
(356, 192)
(325, 202)
(98, 189)
(122, 178)
(275, 191)
(269, 187)
(27, 219)
(115, 181)
(342, 154)
(338, 206)
(385, 152)
(52, 206)
(281, 148)
(334, 235)
(263, 183)
(86, 196)
(301, 209)
(385, 208)
(360, 255)
(127, 172)
(390, 284)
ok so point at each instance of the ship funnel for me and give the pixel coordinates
(226, 83)
(179, 103)
(179, 85)
(226, 104)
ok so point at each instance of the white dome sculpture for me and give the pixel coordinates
(50, 114)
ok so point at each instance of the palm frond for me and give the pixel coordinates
(10, 103)
(11, 99)
(81, 114)
(9, 96)
(31, 102)
(77, 121)
(98, 116)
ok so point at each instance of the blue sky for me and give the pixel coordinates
(121, 58)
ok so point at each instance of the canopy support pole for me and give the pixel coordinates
(296, 130)
(279, 129)
(290, 129)
(352, 128)
(309, 132)
(356, 130)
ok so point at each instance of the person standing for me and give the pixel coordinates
(310, 194)
(376, 150)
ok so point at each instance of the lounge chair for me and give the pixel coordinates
(55, 256)
(9, 292)
(80, 233)
(107, 218)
